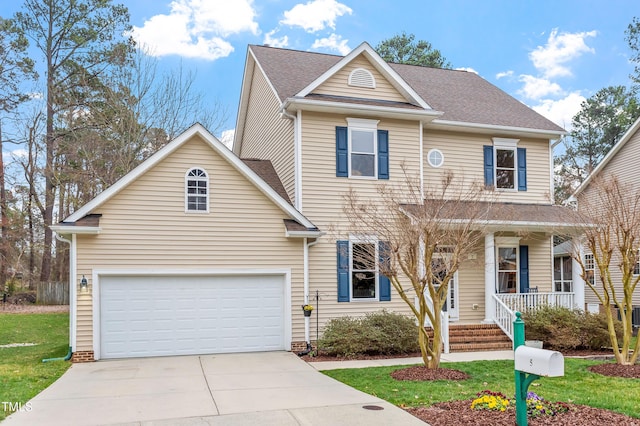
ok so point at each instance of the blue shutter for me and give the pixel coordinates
(342, 152)
(488, 165)
(383, 281)
(522, 169)
(383, 154)
(343, 270)
(524, 269)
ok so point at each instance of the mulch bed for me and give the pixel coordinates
(422, 373)
(460, 413)
(617, 370)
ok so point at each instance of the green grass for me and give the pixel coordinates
(22, 373)
(578, 385)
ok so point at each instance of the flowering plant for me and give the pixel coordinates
(307, 308)
(538, 406)
(488, 400)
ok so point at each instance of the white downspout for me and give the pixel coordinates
(72, 287)
(421, 163)
(307, 320)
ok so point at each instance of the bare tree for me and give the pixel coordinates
(426, 235)
(613, 241)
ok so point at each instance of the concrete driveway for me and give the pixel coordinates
(266, 388)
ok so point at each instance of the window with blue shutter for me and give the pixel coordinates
(524, 269)
(383, 281)
(362, 150)
(522, 169)
(342, 152)
(343, 270)
(488, 165)
(383, 154)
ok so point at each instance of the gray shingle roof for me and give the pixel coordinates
(462, 96)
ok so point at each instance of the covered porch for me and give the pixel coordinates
(519, 267)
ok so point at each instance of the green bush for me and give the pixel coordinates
(378, 333)
(562, 328)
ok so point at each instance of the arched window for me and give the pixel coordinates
(197, 191)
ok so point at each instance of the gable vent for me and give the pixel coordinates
(360, 77)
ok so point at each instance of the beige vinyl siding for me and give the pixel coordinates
(268, 135)
(145, 227)
(323, 203)
(463, 155)
(624, 165)
(471, 275)
(338, 84)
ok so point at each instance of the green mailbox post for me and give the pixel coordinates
(530, 364)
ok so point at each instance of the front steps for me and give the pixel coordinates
(477, 337)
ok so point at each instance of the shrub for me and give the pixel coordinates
(562, 328)
(379, 333)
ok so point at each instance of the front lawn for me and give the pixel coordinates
(22, 373)
(578, 385)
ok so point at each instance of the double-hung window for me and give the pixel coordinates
(358, 267)
(362, 150)
(197, 191)
(505, 165)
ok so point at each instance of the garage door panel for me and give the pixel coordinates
(154, 316)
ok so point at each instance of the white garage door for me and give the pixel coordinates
(185, 315)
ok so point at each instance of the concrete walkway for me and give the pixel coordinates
(272, 388)
(455, 357)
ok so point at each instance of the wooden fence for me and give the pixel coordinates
(53, 294)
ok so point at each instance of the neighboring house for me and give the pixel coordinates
(197, 251)
(622, 162)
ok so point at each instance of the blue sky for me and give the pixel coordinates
(549, 54)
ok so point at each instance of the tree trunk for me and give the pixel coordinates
(3, 222)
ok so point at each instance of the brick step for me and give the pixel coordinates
(476, 337)
(471, 347)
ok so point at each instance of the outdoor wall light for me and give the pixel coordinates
(83, 283)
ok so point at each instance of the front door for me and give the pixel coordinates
(440, 270)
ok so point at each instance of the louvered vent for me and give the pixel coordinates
(360, 77)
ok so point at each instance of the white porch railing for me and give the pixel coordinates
(507, 304)
(444, 322)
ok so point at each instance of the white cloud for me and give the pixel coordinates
(333, 42)
(561, 48)
(561, 111)
(196, 28)
(19, 153)
(315, 15)
(227, 138)
(270, 40)
(504, 74)
(538, 88)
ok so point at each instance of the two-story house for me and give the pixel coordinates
(620, 163)
(204, 250)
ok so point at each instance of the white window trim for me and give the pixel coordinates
(435, 150)
(364, 240)
(593, 265)
(507, 242)
(636, 266)
(365, 125)
(186, 194)
(505, 144)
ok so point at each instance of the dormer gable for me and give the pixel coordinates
(368, 59)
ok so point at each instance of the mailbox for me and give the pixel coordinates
(541, 362)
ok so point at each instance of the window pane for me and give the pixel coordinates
(362, 165)
(364, 284)
(505, 158)
(507, 259)
(507, 282)
(557, 270)
(362, 141)
(505, 179)
(363, 257)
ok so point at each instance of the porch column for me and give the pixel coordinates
(489, 277)
(578, 282)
